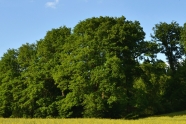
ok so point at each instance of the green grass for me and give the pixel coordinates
(181, 113)
(171, 118)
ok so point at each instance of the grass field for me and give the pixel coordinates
(172, 118)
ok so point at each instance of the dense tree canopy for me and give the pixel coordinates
(102, 68)
(168, 38)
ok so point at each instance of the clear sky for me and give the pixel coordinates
(26, 21)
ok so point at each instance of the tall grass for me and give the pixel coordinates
(173, 118)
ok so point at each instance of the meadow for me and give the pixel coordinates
(172, 118)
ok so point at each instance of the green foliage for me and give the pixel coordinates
(150, 87)
(102, 68)
(183, 36)
(9, 72)
(176, 88)
(103, 54)
(168, 37)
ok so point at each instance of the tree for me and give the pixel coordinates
(9, 72)
(98, 67)
(183, 37)
(95, 70)
(168, 38)
(150, 88)
(178, 96)
(48, 57)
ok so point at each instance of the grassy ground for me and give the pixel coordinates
(172, 118)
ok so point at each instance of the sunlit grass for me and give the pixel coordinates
(172, 118)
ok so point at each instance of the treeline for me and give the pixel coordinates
(102, 68)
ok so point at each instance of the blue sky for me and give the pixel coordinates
(26, 21)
